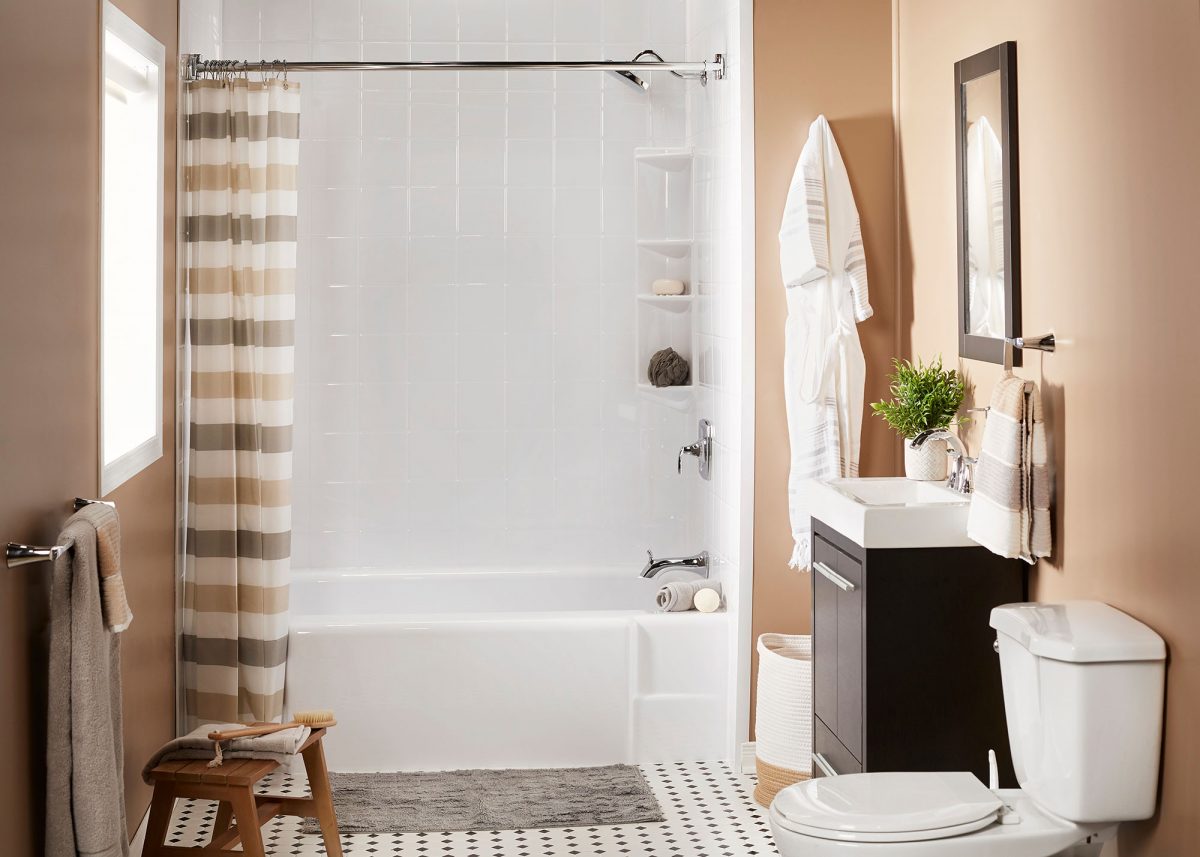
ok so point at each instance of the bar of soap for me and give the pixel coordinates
(668, 287)
(707, 600)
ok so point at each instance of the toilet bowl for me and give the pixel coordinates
(1083, 692)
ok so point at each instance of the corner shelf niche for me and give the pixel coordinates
(664, 249)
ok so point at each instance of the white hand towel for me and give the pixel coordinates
(1010, 506)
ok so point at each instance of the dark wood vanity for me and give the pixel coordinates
(904, 674)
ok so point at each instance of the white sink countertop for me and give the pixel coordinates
(893, 512)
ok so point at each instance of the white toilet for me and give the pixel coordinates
(1083, 697)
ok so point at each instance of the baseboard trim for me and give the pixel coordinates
(748, 757)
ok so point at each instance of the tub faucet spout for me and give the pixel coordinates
(697, 564)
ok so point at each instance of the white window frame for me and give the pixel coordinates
(137, 459)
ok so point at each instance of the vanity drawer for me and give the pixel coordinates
(829, 754)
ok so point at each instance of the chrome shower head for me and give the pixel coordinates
(634, 80)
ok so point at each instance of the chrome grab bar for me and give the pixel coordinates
(832, 576)
(17, 554)
(821, 762)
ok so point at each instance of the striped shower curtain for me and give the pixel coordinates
(242, 153)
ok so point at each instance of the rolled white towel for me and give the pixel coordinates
(678, 596)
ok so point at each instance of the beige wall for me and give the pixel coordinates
(811, 57)
(49, 233)
(1110, 183)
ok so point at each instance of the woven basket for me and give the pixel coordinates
(783, 720)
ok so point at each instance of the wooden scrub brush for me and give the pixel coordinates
(315, 719)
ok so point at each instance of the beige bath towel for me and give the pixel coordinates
(117, 614)
(85, 790)
(278, 746)
(1010, 508)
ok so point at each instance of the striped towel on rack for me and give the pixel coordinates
(1010, 509)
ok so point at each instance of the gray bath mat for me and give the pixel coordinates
(490, 800)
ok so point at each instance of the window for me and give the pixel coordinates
(131, 250)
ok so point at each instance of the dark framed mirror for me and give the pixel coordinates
(989, 233)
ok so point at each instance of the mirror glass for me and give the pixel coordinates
(984, 209)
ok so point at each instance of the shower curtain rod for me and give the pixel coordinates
(714, 68)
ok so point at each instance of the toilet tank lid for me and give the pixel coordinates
(1079, 632)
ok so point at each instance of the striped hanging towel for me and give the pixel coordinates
(1010, 509)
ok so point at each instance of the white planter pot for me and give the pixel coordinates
(927, 464)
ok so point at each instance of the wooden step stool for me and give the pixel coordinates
(232, 783)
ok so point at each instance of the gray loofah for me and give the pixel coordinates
(668, 369)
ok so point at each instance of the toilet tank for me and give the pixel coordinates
(1083, 697)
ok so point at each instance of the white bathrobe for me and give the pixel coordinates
(825, 275)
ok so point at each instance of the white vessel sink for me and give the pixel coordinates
(893, 512)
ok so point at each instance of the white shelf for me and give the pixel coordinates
(676, 248)
(672, 160)
(666, 300)
(678, 398)
(663, 187)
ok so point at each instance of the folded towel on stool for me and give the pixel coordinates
(678, 596)
(279, 746)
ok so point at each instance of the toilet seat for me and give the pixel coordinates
(887, 807)
(1036, 833)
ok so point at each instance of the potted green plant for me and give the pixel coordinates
(923, 398)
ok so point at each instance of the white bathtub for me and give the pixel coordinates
(487, 669)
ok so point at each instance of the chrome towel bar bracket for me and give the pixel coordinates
(17, 554)
(1042, 342)
(1045, 342)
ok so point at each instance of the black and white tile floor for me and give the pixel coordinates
(708, 808)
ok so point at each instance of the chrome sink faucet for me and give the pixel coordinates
(962, 466)
(697, 564)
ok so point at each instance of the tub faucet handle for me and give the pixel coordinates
(701, 448)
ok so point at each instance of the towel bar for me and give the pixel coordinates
(17, 554)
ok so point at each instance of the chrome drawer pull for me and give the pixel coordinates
(831, 575)
(823, 764)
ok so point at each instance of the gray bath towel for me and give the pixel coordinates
(278, 746)
(85, 789)
(677, 596)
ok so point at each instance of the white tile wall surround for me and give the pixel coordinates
(465, 323)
